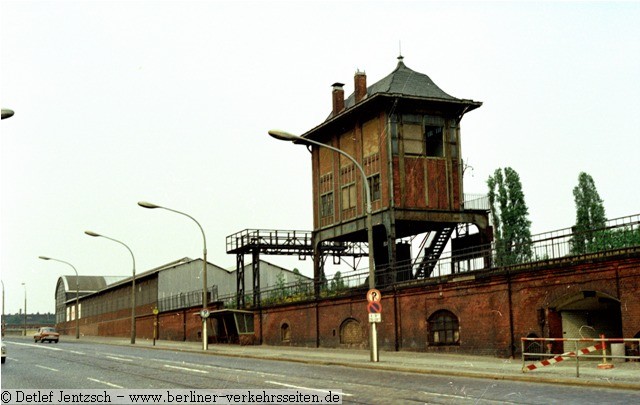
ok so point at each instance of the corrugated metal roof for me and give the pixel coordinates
(88, 283)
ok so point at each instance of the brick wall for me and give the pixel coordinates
(494, 310)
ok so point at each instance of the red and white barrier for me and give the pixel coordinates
(563, 356)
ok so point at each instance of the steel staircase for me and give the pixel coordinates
(433, 251)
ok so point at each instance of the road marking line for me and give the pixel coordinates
(123, 356)
(468, 398)
(118, 358)
(47, 368)
(39, 346)
(105, 383)
(305, 388)
(187, 369)
(236, 370)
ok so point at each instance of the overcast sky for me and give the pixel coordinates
(170, 102)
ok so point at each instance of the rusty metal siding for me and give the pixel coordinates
(437, 184)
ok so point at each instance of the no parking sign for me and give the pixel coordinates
(374, 306)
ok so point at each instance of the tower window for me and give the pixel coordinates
(349, 196)
(374, 184)
(326, 205)
(434, 142)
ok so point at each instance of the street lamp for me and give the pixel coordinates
(133, 283)
(25, 308)
(205, 312)
(285, 136)
(2, 307)
(77, 291)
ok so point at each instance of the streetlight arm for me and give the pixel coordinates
(97, 235)
(145, 204)
(61, 261)
(286, 136)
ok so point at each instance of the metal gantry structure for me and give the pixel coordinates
(255, 242)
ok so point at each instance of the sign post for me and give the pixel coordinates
(375, 308)
(155, 325)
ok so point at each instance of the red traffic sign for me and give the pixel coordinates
(374, 307)
(373, 295)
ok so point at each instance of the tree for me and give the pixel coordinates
(337, 284)
(280, 292)
(511, 225)
(590, 215)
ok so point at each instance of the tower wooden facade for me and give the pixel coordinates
(405, 132)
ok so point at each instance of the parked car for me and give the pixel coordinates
(4, 352)
(46, 334)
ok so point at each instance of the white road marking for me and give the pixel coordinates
(304, 388)
(105, 383)
(118, 358)
(468, 398)
(47, 368)
(41, 346)
(237, 370)
(124, 356)
(187, 369)
(230, 369)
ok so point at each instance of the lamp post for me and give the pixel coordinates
(77, 291)
(205, 312)
(25, 309)
(2, 307)
(285, 136)
(133, 283)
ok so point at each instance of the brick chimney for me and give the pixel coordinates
(338, 98)
(360, 84)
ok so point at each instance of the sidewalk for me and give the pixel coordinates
(624, 375)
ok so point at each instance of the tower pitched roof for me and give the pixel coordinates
(406, 82)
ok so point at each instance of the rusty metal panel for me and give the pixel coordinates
(347, 144)
(371, 137)
(325, 157)
(437, 184)
(414, 180)
(456, 181)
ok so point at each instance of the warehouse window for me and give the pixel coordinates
(444, 329)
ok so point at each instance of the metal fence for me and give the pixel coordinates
(187, 299)
(616, 237)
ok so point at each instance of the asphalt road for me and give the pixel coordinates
(78, 365)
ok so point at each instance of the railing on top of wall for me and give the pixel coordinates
(618, 236)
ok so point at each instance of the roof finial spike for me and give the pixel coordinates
(400, 57)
